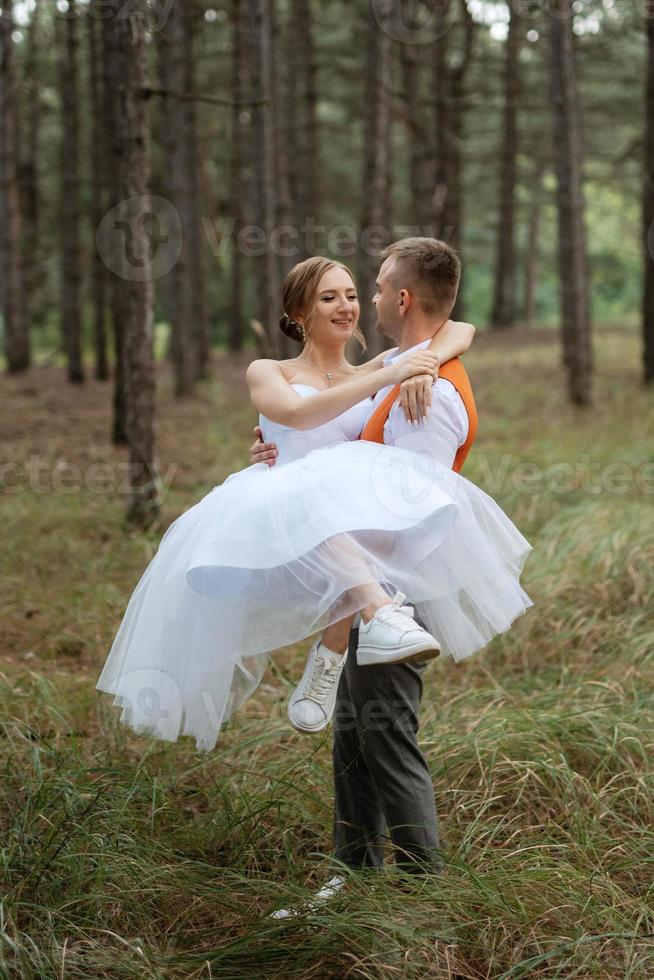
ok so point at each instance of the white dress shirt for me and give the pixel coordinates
(446, 428)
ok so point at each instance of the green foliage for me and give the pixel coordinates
(611, 52)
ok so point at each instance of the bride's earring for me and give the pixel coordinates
(303, 332)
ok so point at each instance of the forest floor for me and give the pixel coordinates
(122, 856)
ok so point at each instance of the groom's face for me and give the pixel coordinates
(387, 301)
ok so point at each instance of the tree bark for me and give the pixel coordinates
(264, 160)
(573, 269)
(375, 215)
(98, 151)
(29, 179)
(17, 341)
(286, 209)
(504, 303)
(133, 285)
(420, 152)
(69, 216)
(235, 325)
(450, 89)
(648, 215)
(532, 257)
(194, 166)
(111, 121)
(305, 66)
(171, 46)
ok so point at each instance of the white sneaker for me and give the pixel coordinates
(327, 891)
(311, 704)
(392, 635)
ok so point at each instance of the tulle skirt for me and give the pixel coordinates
(275, 554)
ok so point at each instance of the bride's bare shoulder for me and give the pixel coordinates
(266, 368)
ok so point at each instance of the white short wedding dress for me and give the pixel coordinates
(270, 556)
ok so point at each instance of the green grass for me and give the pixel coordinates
(122, 856)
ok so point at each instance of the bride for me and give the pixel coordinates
(274, 555)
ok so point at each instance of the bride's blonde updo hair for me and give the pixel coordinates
(299, 294)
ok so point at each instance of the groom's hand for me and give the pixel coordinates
(262, 452)
(415, 397)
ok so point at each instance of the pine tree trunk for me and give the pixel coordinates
(98, 201)
(420, 152)
(16, 328)
(504, 303)
(375, 216)
(264, 164)
(171, 46)
(648, 216)
(69, 217)
(308, 163)
(29, 179)
(194, 166)
(112, 247)
(450, 97)
(235, 326)
(532, 256)
(573, 270)
(285, 211)
(133, 285)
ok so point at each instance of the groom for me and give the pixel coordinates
(381, 777)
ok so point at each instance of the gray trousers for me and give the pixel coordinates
(381, 777)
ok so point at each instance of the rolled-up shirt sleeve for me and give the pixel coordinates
(445, 430)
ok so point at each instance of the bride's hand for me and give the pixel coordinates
(262, 452)
(415, 397)
(422, 362)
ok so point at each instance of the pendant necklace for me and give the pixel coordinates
(328, 374)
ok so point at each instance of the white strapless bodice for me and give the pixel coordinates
(295, 443)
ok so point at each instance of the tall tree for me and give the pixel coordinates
(573, 266)
(111, 248)
(648, 214)
(264, 163)
(133, 284)
(29, 157)
(305, 69)
(504, 303)
(420, 135)
(193, 171)
(375, 215)
(450, 76)
(170, 47)
(235, 325)
(70, 310)
(98, 201)
(286, 207)
(188, 338)
(532, 251)
(16, 326)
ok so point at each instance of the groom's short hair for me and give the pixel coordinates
(428, 268)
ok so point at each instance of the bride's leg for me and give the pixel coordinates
(337, 636)
(348, 555)
(370, 596)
